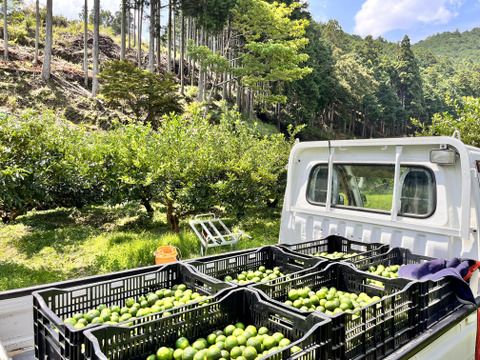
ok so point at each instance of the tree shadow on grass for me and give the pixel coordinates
(143, 222)
(104, 217)
(48, 220)
(130, 216)
(25, 276)
(59, 239)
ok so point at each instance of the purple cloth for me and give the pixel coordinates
(455, 269)
(418, 271)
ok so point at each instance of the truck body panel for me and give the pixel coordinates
(16, 317)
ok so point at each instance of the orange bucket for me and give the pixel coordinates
(165, 254)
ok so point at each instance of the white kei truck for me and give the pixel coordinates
(418, 193)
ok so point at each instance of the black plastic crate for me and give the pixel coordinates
(310, 332)
(222, 255)
(437, 299)
(371, 332)
(394, 256)
(269, 256)
(335, 243)
(55, 339)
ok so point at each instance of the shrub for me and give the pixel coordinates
(147, 95)
(19, 34)
(72, 114)
(75, 28)
(12, 103)
(44, 165)
(44, 94)
(30, 23)
(23, 166)
(60, 21)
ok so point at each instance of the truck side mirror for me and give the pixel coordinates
(341, 200)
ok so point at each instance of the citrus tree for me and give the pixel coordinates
(191, 164)
(224, 164)
(130, 158)
(42, 164)
(22, 164)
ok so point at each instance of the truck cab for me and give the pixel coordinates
(418, 193)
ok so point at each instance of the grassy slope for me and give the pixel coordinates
(48, 246)
(22, 88)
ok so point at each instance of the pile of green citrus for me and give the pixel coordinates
(328, 300)
(153, 302)
(233, 342)
(261, 275)
(336, 255)
(388, 272)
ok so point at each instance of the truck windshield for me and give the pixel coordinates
(370, 186)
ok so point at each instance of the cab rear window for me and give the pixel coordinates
(370, 187)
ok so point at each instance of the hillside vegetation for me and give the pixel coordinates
(338, 85)
(457, 46)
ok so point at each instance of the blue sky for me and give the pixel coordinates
(393, 19)
(71, 8)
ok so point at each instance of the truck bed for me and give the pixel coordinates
(27, 354)
(412, 350)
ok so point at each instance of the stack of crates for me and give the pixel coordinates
(402, 308)
(55, 339)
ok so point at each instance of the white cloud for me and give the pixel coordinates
(376, 17)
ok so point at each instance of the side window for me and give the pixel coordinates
(416, 197)
(317, 187)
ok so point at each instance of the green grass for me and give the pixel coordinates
(379, 201)
(376, 201)
(48, 246)
(261, 127)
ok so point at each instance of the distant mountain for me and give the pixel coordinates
(455, 45)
